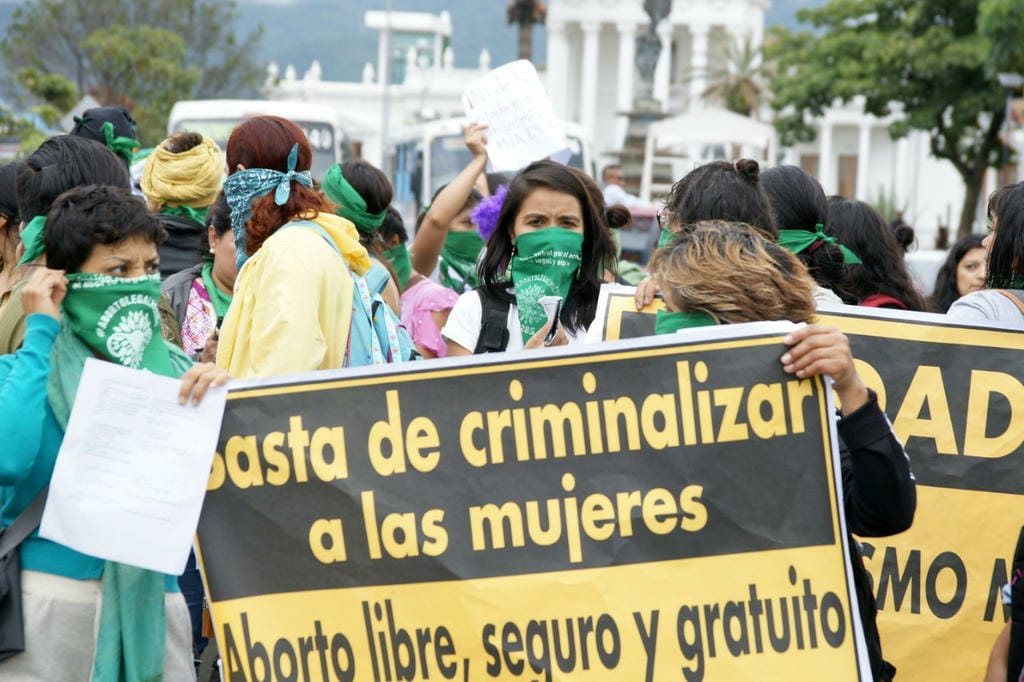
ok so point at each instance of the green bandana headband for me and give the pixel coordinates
(351, 204)
(122, 146)
(798, 241)
(400, 261)
(119, 318)
(666, 322)
(195, 214)
(32, 238)
(545, 263)
(459, 257)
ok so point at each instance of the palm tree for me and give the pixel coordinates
(740, 81)
(526, 13)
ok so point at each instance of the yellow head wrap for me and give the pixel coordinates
(192, 178)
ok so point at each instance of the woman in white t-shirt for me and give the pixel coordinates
(550, 241)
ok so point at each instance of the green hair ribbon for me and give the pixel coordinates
(123, 146)
(798, 241)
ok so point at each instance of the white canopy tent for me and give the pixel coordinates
(668, 138)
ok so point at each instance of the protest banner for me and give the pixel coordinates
(955, 396)
(521, 123)
(553, 515)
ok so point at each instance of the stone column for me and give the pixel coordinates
(558, 68)
(826, 164)
(698, 65)
(627, 70)
(864, 161)
(588, 89)
(663, 72)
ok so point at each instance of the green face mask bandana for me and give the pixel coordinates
(666, 238)
(32, 238)
(669, 323)
(399, 259)
(544, 265)
(119, 319)
(458, 260)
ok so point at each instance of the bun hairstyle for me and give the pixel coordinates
(749, 169)
(721, 190)
(904, 235)
(617, 216)
(800, 203)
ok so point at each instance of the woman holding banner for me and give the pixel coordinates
(1003, 301)
(722, 273)
(550, 241)
(86, 618)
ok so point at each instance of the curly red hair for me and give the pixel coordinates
(265, 142)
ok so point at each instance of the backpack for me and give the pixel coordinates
(376, 336)
(493, 336)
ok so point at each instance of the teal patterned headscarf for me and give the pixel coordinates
(241, 188)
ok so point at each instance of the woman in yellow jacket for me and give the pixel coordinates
(293, 301)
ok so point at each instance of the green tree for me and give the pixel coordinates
(141, 69)
(923, 59)
(66, 37)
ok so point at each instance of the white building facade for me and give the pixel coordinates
(592, 79)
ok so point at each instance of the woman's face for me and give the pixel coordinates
(132, 257)
(223, 249)
(463, 222)
(970, 272)
(544, 208)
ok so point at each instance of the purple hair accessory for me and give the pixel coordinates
(486, 213)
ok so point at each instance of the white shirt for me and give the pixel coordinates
(988, 306)
(615, 194)
(466, 318)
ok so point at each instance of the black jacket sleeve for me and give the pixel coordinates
(878, 487)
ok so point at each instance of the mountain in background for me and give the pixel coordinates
(298, 31)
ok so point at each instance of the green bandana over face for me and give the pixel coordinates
(399, 259)
(458, 260)
(665, 238)
(544, 265)
(32, 238)
(220, 301)
(669, 323)
(119, 319)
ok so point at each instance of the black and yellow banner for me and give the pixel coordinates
(955, 396)
(650, 511)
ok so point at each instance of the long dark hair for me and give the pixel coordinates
(598, 250)
(720, 190)
(800, 203)
(945, 291)
(882, 270)
(1006, 256)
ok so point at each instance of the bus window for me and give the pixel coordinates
(448, 156)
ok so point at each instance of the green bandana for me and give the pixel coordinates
(123, 146)
(544, 265)
(669, 323)
(798, 241)
(459, 258)
(399, 259)
(195, 214)
(119, 319)
(351, 204)
(665, 238)
(32, 238)
(218, 298)
(627, 270)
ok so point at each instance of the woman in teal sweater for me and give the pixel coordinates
(86, 618)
